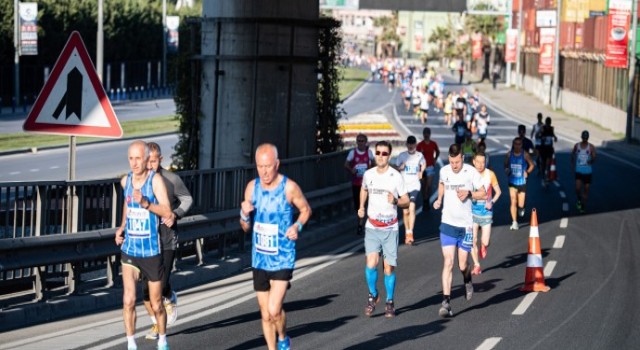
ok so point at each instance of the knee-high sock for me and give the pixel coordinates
(390, 284)
(372, 279)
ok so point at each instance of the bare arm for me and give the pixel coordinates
(438, 202)
(120, 230)
(163, 208)
(299, 201)
(530, 162)
(246, 207)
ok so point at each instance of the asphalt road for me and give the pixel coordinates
(590, 261)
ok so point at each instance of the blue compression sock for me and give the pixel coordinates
(390, 284)
(372, 280)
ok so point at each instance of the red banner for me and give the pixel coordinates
(616, 54)
(511, 46)
(476, 46)
(547, 54)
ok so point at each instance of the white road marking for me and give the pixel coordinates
(548, 270)
(565, 206)
(557, 184)
(525, 303)
(14, 173)
(54, 167)
(564, 222)
(563, 195)
(489, 343)
(34, 170)
(559, 242)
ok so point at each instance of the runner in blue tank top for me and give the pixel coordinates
(145, 200)
(267, 210)
(582, 158)
(517, 165)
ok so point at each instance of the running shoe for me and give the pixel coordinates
(171, 307)
(389, 310)
(521, 212)
(514, 226)
(164, 346)
(153, 333)
(476, 270)
(284, 344)
(483, 251)
(371, 304)
(445, 310)
(468, 290)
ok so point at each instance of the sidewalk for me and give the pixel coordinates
(523, 107)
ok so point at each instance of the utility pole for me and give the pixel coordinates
(555, 90)
(16, 57)
(164, 42)
(632, 72)
(518, 79)
(100, 40)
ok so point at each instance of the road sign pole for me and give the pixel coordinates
(72, 208)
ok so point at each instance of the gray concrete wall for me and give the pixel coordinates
(582, 106)
(268, 99)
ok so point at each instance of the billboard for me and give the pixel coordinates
(28, 28)
(616, 54)
(414, 5)
(547, 52)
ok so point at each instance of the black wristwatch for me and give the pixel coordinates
(395, 201)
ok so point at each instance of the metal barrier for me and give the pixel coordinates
(38, 252)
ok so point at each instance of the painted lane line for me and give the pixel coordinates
(557, 184)
(34, 170)
(54, 167)
(489, 343)
(564, 222)
(559, 242)
(563, 195)
(14, 173)
(548, 270)
(565, 207)
(525, 303)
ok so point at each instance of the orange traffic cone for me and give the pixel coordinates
(534, 277)
(553, 175)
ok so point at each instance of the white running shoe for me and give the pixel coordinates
(514, 226)
(171, 307)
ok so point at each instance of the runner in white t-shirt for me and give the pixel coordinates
(384, 188)
(411, 164)
(457, 181)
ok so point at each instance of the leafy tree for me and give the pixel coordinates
(389, 39)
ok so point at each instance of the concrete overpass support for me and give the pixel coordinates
(259, 79)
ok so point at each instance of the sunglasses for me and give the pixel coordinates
(360, 141)
(384, 154)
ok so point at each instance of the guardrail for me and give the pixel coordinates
(40, 255)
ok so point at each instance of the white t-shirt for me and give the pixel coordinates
(412, 164)
(378, 186)
(455, 212)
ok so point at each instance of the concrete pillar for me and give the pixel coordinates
(259, 79)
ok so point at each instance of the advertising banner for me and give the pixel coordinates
(547, 54)
(476, 46)
(511, 46)
(173, 23)
(616, 53)
(28, 28)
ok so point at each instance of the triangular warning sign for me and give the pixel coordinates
(73, 101)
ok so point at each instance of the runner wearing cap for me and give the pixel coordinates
(582, 158)
(411, 165)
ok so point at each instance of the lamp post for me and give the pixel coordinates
(518, 80)
(632, 72)
(555, 90)
(16, 57)
(164, 42)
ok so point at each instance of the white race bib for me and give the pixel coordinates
(360, 169)
(516, 170)
(583, 159)
(138, 223)
(266, 236)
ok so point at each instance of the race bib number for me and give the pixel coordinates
(411, 169)
(266, 238)
(583, 159)
(516, 170)
(460, 131)
(360, 169)
(138, 222)
(548, 141)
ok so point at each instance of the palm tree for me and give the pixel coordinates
(442, 36)
(389, 38)
(488, 27)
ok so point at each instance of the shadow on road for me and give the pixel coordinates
(403, 335)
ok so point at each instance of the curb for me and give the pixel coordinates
(45, 148)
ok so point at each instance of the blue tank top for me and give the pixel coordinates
(141, 234)
(518, 166)
(583, 160)
(271, 249)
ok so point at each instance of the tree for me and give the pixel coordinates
(389, 39)
(488, 27)
(441, 36)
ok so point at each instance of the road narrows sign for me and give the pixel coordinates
(73, 101)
